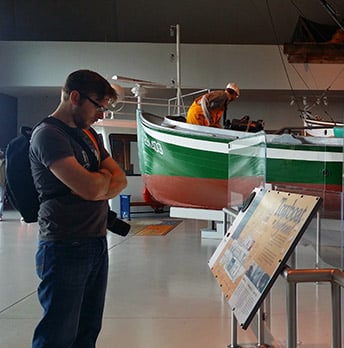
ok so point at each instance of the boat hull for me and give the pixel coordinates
(217, 194)
(195, 170)
(198, 192)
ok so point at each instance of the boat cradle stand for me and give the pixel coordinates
(126, 204)
(216, 219)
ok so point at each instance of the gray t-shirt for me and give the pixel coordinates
(66, 216)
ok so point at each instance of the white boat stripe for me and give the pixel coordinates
(203, 145)
(210, 146)
(305, 155)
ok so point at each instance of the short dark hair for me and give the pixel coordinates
(88, 82)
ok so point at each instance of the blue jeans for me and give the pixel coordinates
(72, 292)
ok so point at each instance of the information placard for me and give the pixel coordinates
(257, 245)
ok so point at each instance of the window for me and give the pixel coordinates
(124, 152)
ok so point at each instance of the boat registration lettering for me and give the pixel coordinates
(154, 145)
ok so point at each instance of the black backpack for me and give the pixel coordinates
(20, 188)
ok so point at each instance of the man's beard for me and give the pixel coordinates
(80, 121)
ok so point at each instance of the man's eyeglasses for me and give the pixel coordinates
(99, 107)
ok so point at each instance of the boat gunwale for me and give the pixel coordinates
(224, 135)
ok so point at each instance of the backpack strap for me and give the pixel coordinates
(91, 134)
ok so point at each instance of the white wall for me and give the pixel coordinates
(44, 64)
(275, 113)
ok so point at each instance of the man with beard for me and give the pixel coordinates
(74, 187)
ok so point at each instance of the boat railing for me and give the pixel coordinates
(173, 103)
(294, 276)
(176, 106)
(151, 102)
(296, 130)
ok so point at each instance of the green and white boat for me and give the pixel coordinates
(187, 165)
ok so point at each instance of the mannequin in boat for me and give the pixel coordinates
(208, 109)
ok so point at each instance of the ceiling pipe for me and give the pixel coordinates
(332, 12)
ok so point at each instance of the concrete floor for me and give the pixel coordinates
(161, 293)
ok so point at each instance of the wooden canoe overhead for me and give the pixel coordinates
(315, 43)
(316, 53)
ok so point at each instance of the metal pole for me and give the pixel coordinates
(293, 277)
(336, 315)
(267, 311)
(260, 334)
(234, 333)
(179, 93)
(341, 230)
(317, 243)
(291, 315)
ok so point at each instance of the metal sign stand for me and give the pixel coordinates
(235, 266)
(260, 333)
